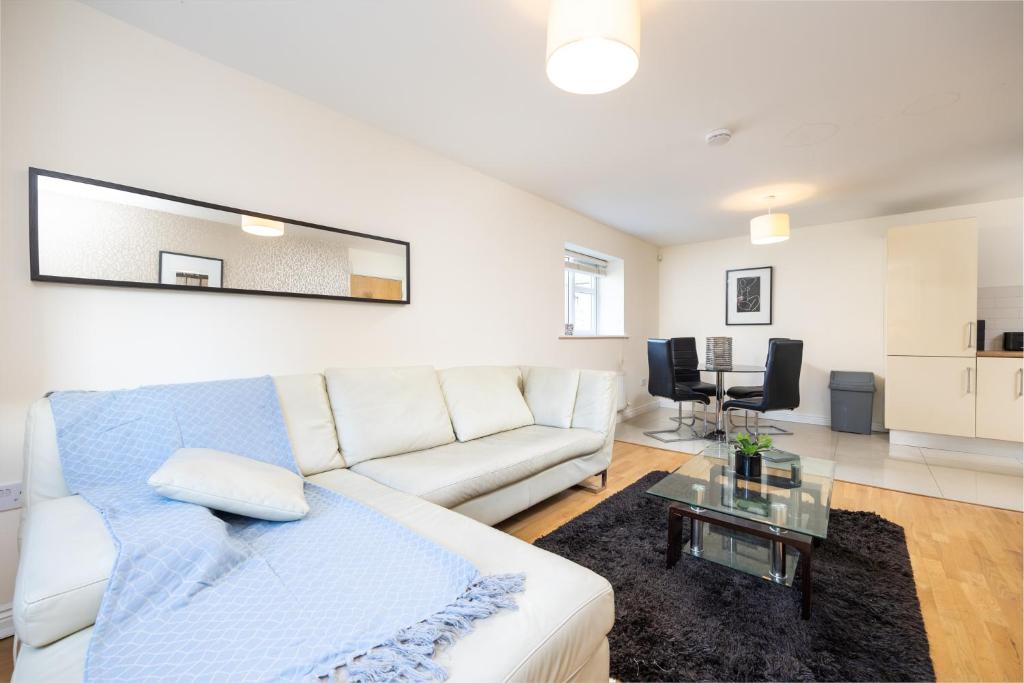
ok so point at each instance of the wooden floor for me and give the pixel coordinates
(966, 559)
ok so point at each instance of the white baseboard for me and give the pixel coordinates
(6, 621)
(631, 411)
(779, 416)
(963, 444)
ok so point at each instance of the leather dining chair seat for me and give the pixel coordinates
(745, 392)
(702, 387)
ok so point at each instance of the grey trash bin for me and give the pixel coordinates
(853, 395)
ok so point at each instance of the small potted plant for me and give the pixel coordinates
(748, 454)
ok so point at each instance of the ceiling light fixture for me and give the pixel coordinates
(769, 228)
(262, 227)
(593, 45)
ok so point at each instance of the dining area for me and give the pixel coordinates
(676, 372)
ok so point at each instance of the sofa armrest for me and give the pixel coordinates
(66, 559)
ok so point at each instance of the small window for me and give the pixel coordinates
(590, 283)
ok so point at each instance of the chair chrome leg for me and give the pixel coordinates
(778, 431)
(596, 488)
(656, 434)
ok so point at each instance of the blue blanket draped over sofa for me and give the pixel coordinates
(201, 596)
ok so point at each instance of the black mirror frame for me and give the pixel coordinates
(33, 231)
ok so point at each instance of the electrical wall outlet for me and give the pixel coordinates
(10, 496)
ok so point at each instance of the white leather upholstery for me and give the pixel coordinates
(454, 473)
(484, 400)
(384, 411)
(551, 394)
(596, 399)
(43, 476)
(494, 506)
(66, 558)
(307, 414)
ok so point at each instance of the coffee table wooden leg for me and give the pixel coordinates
(675, 538)
(805, 583)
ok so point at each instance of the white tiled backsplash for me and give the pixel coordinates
(1002, 309)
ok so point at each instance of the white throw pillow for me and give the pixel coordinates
(232, 483)
(551, 395)
(387, 411)
(484, 400)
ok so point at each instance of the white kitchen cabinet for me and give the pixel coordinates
(1000, 405)
(932, 289)
(930, 394)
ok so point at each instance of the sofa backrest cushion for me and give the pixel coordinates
(551, 394)
(386, 411)
(484, 400)
(307, 414)
(304, 405)
(596, 401)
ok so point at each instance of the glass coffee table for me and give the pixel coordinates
(763, 526)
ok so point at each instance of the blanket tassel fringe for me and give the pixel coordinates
(409, 655)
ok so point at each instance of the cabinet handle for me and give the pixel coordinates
(969, 381)
(1020, 389)
(970, 335)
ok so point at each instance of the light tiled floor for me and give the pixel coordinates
(872, 460)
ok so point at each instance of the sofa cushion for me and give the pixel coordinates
(65, 563)
(551, 394)
(231, 483)
(454, 473)
(307, 414)
(383, 411)
(596, 401)
(484, 400)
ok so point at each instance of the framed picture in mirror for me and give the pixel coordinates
(94, 232)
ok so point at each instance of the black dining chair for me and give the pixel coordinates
(752, 391)
(685, 361)
(661, 381)
(781, 389)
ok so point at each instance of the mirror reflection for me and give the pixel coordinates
(91, 232)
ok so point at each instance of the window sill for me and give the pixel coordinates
(598, 336)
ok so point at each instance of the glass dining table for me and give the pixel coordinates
(720, 371)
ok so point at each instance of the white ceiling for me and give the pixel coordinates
(842, 109)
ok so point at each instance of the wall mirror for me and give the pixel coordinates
(85, 231)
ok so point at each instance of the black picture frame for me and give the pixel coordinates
(160, 265)
(771, 294)
(33, 229)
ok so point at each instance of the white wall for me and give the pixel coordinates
(86, 94)
(829, 291)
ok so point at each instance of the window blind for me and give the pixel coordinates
(585, 263)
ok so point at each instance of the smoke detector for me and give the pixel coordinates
(718, 137)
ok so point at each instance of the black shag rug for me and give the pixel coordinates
(700, 621)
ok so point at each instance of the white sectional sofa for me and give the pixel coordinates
(439, 451)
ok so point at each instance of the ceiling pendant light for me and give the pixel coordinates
(262, 227)
(769, 228)
(593, 45)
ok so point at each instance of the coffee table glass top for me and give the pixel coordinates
(794, 492)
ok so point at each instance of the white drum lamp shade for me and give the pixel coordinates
(593, 45)
(262, 226)
(769, 228)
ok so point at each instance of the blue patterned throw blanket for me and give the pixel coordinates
(199, 596)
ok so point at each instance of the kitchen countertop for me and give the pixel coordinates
(1000, 354)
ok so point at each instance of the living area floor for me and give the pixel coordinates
(996, 481)
(967, 562)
